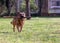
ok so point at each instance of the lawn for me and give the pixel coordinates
(36, 30)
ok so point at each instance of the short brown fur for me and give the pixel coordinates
(18, 21)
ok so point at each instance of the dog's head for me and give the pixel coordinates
(21, 15)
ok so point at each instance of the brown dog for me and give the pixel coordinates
(18, 21)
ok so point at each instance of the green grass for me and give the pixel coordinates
(36, 30)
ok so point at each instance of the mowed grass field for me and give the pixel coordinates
(36, 30)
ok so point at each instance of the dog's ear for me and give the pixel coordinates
(24, 14)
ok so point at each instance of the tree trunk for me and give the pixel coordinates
(0, 9)
(40, 3)
(1, 6)
(17, 6)
(8, 5)
(28, 9)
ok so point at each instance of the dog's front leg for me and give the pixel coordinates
(14, 28)
(21, 27)
(18, 28)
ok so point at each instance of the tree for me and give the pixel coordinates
(28, 9)
(17, 6)
(40, 3)
(8, 5)
(1, 5)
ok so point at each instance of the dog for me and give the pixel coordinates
(18, 21)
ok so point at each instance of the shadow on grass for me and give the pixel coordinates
(6, 32)
(9, 33)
